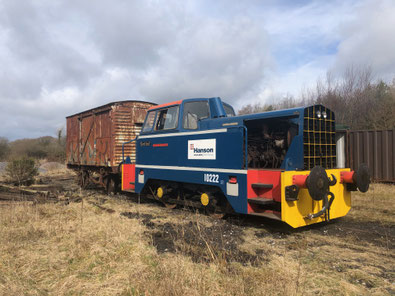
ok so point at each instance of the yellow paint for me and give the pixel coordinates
(204, 199)
(159, 192)
(294, 212)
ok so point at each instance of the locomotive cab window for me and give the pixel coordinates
(193, 112)
(167, 119)
(149, 122)
(229, 110)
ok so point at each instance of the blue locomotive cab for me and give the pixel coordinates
(186, 115)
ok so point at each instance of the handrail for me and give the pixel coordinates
(123, 145)
(246, 147)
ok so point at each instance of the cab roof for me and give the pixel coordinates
(165, 105)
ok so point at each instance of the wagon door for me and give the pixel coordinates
(103, 138)
(87, 145)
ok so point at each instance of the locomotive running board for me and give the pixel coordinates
(261, 201)
(261, 186)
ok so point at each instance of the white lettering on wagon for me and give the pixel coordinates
(202, 149)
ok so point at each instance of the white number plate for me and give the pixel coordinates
(211, 178)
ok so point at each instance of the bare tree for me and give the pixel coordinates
(357, 99)
(286, 102)
(4, 148)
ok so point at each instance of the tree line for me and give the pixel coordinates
(359, 101)
(50, 148)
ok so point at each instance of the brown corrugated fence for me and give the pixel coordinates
(376, 149)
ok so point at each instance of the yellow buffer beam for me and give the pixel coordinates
(294, 213)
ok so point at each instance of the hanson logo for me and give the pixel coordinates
(202, 149)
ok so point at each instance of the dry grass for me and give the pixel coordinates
(375, 205)
(54, 249)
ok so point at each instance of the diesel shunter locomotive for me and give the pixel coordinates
(279, 164)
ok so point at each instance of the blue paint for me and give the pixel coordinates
(170, 148)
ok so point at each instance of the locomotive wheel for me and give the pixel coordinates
(171, 205)
(159, 194)
(212, 206)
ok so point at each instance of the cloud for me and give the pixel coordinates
(312, 38)
(369, 40)
(224, 58)
(304, 38)
(61, 57)
(37, 51)
(130, 34)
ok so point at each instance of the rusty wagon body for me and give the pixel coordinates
(95, 138)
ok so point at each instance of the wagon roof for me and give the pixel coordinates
(110, 104)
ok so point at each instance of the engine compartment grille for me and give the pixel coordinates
(319, 141)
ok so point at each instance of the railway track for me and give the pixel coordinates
(52, 191)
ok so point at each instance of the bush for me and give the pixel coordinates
(48, 148)
(21, 170)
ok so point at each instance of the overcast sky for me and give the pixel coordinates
(58, 57)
